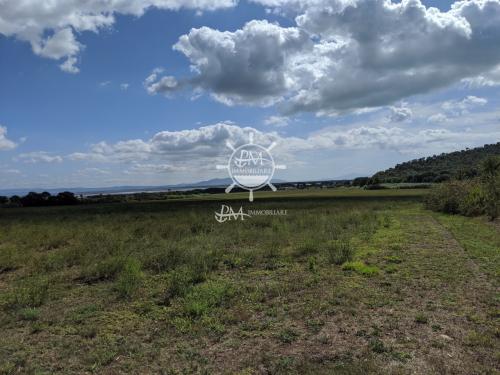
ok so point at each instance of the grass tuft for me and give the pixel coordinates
(32, 293)
(421, 319)
(288, 335)
(377, 346)
(339, 251)
(29, 313)
(179, 282)
(107, 269)
(203, 298)
(130, 279)
(308, 246)
(361, 268)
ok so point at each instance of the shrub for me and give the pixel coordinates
(448, 197)
(458, 197)
(490, 177)
(473, 203)
(339, 251)
(130, 278)
(479, 196)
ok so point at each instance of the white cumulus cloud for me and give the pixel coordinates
(345, 55)
(5, 143)
(278, 121)
(452, 109)
(400, 113)
(50, 26)
(38, 157)
(252, 65)
(201, 149)
(156, 84)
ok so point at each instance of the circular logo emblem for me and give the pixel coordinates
(251, 166)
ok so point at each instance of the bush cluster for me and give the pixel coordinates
(479, 196)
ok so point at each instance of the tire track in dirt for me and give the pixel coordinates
(461, 294)
(481, 278)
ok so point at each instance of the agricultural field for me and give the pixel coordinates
(348, 282)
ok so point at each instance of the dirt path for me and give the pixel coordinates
(445, 306)
(446, 303)
(428, 313)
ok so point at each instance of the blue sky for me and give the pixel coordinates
(108, 125)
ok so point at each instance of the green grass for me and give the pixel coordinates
(480, 239)
(421, 319)
(349, 282)
(339, 251)
(129, 279)
(32, 292)
(29, 313)
(315, 193)
(205, 297)
(288, 335)
(361, 268)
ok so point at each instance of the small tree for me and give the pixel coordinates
(490, 174)
(66, 198)
(360, 181)
(15, 200)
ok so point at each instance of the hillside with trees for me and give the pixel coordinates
(459, 165)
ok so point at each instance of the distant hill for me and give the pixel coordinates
(438, 168)
(215, 182)
(218, 182)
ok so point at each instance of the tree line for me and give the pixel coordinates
(33, 199)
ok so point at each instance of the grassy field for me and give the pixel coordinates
(348, 282)
(314, 193)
